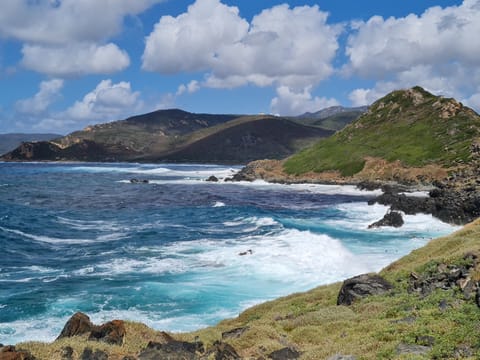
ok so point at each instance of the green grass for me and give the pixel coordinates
(395, 128)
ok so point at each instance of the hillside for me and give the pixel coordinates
(332, 118)
(247, 139)
(9, 142)
(410, 126)
(176, 135)
(431, 313)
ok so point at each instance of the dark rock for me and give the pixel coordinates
(369, 185)
(78, 324)
(449, 205)
(391, 218)
(248, 252)
(425, 340)
(221, 351)
(284, 354)
(234, 333)
(443, 305)
(477, 297)
(463, 352)
(88, 354)
(212, 178)
(361, 286)
(112, 332)
(173, 350)
(412, 349)
(67, 353)
(129, 358)
(342, 357)
(138, 181)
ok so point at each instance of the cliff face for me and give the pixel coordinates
(9, 142)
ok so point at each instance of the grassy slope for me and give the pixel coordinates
(395, 128)
(246, 139)
(370, 329)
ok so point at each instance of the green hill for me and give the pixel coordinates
(411, 126)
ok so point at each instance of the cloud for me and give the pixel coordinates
(49, 91)
(69, 37)
(282, 46)
(106, 102)
(288, 102)
(75, 60)
(191, 87)
(435, 50)
(60, 22)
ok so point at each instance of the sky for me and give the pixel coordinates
(67, 64)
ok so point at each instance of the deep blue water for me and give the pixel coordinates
(81, 237)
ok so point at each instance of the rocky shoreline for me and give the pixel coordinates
(454, 199)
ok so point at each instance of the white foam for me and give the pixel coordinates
(89, 224)
(218, 204)
(60, 241)
(420, 194)
(152, 265)
(312, 188)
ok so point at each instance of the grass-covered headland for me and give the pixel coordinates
(411, 126)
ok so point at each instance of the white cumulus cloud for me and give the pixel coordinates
(436, 50)
(63, 21)
(69, 37)
(288, 102)
(75, 60)
(108, 101)
(49, 91)
(284, 46)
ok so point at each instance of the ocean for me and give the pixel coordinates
(177, 253)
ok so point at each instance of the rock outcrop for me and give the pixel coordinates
(455, 206)
(362, 286)
(78, 324)
(391, 218)
(112, 332)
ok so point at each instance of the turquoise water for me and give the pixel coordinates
(82, 237)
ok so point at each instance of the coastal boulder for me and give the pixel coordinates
(112, 332)
(212, 178)
(11, 353)
(173, 350)
(78, 324)
(391, 218)
(362, 286)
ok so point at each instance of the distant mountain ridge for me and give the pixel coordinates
(177, 135)
(331, 111)
(332, 118)
(10, 141)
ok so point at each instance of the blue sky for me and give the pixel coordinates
(66, 64)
